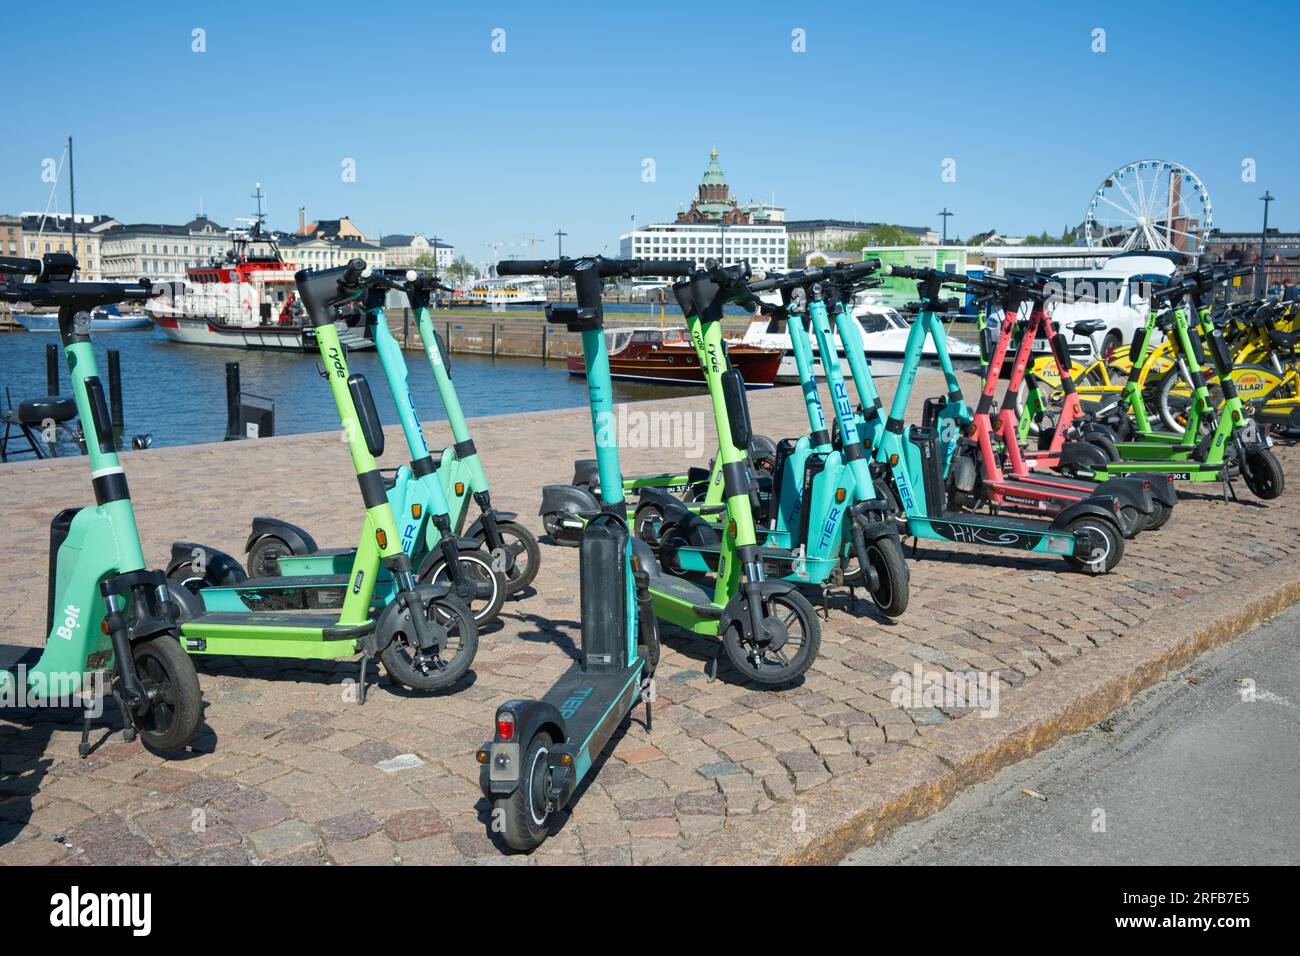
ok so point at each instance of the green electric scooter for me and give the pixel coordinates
(105, 611)
(425, 635)
(438, 555)
(1217, 444)
(513, 549)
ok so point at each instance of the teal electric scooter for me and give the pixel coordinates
(106, 612)
(542, 750)
(513, 547)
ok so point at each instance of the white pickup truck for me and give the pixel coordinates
(1112, 294)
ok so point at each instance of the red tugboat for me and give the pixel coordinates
(666, 356)
(247, 301)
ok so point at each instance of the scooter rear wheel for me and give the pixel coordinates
(443, 667)
(1264, 475)
(757, 662)
(175, 700)
(264, 556)
(1109, 547)
(523, 818)
(1160, 515)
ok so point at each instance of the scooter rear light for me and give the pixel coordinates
(506, 726)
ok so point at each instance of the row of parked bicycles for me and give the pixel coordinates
(740, 551)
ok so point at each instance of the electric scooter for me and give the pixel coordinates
(425, 635)
(105, 610)
(542, 750)
(1231, 444)
(768, 630)
(513, 547)
(414, 492)
(1013, 477)
(936, 498)
(823, 522)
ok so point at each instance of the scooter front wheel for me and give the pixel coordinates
(439, 668)
(175, 702)
(525, 554)
(765, 661)
(475, 568)
(885, 555)
(523, 818)
(1264, 475)
(1107, 545)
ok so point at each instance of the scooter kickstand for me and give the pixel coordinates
(711, 668)
(83, 748)
(361, 680)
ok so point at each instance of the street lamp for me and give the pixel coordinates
(945, 214)
(1261, 279)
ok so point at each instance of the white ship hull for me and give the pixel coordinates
(192, 330)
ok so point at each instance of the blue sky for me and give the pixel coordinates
(479, 146)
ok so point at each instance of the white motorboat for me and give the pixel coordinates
(884, 335)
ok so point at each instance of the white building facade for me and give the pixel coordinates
(764, 245)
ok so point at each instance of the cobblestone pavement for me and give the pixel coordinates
(288, 771)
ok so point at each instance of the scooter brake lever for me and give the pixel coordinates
(320, 370)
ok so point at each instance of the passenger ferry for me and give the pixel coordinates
(502, 292)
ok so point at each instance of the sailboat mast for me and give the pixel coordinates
(72, 198)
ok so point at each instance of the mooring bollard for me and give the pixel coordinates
(115, 391)
(232, 402)
(51, 369)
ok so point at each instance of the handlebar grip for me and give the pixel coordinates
(665, 267)
(352, 273)
(904, 272)
(16, 266)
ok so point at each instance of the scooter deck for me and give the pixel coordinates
(1001, 531)
(265, 634)
(684, 603)
(290, 593)
(593, 706)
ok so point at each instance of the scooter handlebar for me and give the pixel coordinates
(630, 268)
(15, 266)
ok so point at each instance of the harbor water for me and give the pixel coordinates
(177, 393)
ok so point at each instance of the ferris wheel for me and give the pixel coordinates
(1150, 204)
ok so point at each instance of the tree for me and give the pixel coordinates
(794, 249)
(461, 269)
(881, 235)
(816, 262)
(426, 260)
